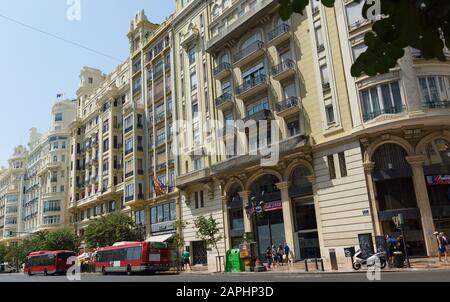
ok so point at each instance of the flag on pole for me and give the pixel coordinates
(159, 187)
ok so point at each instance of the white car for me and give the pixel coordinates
(7, 269)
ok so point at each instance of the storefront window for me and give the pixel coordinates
(163, 217)
(437, 173)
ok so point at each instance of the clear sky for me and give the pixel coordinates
(34, 67)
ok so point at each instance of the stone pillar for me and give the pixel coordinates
(245, 195)
(288, 217)
(374, 209)
(423, 202)
(312, 180)
(226, 223)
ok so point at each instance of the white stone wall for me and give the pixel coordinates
(211, 207)
(342, 200)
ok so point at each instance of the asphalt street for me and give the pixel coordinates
(407, 276)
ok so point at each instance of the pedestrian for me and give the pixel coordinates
(274, 255)
(286, 253)
(186, 259)
(269, 257)
(391, 243)
(280, 254)
(442, 242)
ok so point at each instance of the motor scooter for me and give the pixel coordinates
(359, 261)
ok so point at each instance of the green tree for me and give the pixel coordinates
(421, 24)
(208, 230)
(3, 252)
(108, 230)
(64, 239)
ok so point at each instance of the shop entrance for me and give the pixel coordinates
(270, 223)
(396, 194)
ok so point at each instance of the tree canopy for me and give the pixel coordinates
(421, 24)
(110, 229)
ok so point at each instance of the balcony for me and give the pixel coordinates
(252, 87)
(128, 198)
(288, 107)
(225, 101)
(238, 28)
(160, 117)
(279, 34)
(435, 105)
(326, 88)
(129, 174)
(248, 54)
(222, 71)
(284, 70)
(368, 116)
(194, 177)
(259, 116)
(128, 129)
(129, 151)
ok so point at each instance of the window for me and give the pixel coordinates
(191, 56)
(293, 128)
(319, 38)
(162, 214)
(331, 167)
(198, 164)
(199, 200)
(194, 80)
(129, 190)
(354, 13)
(129, 145)
(106, 145)
(48, 220)
(325, 76)
(357, 50)
(343, 164)
(329, 110)
(434, 89)
(383, 99)
(258, 106)
(139, 217)
(58, 117)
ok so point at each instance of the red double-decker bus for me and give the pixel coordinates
(133, 257)
(48, 262)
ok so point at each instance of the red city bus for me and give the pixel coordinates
(133, 257)
(48, 262)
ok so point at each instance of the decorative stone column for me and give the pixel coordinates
(416, 162)
(374, 209)
(245, 195)
(226, 223)
(312, 180)
(288, 217)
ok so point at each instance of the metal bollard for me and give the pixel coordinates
(317, 264)
(323, 268)
(306, 265)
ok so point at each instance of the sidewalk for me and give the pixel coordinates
(417, 264)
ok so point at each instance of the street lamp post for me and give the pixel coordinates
(254, 210)
(401, 221)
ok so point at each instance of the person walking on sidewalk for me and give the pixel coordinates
(442, 242)
(287, 250)
(186, 259)
(269, 257)
(391, 243)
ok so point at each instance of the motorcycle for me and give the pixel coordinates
(359, 261)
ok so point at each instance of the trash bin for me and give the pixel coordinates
(398, 259)
(234, 262)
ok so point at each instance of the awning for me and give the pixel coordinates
(160, 238)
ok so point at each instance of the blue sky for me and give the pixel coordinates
(35, 67)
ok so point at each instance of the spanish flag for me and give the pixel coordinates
(159, 187)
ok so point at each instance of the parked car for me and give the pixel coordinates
(5, 268)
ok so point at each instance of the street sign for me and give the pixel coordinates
(396, 221)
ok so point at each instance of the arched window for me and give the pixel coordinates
(300, 185)
(437, 152)
(390, 157)
(250, 40)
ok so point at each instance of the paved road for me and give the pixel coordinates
(409, 276)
